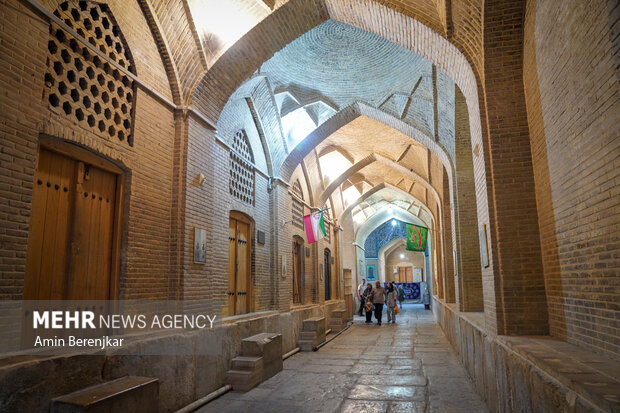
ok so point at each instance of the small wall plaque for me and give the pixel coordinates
(260, 237)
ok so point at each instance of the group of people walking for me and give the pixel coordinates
(375, 298)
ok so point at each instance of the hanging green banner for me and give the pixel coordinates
(416, 237)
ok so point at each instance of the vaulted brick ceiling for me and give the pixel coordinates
(194, 52)
(191, 52)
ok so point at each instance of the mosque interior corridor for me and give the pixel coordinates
(195, 195)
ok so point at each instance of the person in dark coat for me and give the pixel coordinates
(378, 299)
(368, 306)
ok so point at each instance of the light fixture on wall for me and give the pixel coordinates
(393, 222)
(402, 256)
(201, 179)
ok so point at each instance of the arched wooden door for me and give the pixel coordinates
(239, 264)
(74, 226)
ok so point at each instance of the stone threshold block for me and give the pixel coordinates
(260, 359)
(126, 394)
(338, 320)
(312, 334)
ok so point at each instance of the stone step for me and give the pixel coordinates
(126, 394)
(313, 324)
(247, 363)
(243, 380)
(339, 313)
(308, 335)
(306, 345)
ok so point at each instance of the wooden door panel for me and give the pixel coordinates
(49, 228)
(232, 261)
(242, 267)
(297, 271)
(90, 270)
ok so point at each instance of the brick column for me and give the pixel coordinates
(446, 232)
(521, 290)
(469, 297)
(281, 238)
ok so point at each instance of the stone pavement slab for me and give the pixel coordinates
(394, 368)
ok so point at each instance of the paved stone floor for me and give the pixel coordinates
(404, 367)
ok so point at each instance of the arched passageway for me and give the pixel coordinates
(167, 152)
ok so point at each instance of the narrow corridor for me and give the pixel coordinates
(403, 367)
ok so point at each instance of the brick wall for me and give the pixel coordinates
(573, 108)
(145, 263)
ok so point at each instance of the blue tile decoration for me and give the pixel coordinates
(382, 235)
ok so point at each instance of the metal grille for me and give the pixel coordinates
(241, 183)
(298, 206)
(79, 83)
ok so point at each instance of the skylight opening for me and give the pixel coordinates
(350, 195)
(333, 165)
(227, 20)
(296, 126)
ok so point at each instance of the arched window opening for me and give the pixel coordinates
(79, 83)
(241, 180)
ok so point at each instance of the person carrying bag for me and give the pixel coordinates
(391, 304)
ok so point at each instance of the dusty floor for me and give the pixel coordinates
(404, 367)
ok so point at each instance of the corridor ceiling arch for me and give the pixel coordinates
(210, 93)
(384, 216)
(375, 190)
(348, 115)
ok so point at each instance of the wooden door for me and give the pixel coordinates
(405, 274)
(91, 243)
(297, 272)
(239, 270)
(327, 274)
(72, 229)
(232, 266)
(243, 267)
(49, 238)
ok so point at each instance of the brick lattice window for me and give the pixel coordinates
(80, 84)
(298, 206)
(241, 182)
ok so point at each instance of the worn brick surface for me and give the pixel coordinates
(573, 102)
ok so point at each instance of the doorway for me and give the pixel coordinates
(239, 264)
(74, 227)
(327, 274)
(405, 274)
(298, 271)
